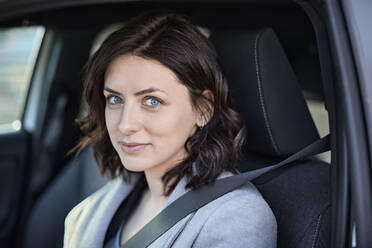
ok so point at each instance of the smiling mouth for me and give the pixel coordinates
(132, 148)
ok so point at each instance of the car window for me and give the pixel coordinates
(320, 116)
(18, 52)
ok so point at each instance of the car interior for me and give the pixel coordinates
(270, 55)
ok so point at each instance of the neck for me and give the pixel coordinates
(154, 178)
(155, 185)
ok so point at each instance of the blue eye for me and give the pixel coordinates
(112, 100)
(152, 102)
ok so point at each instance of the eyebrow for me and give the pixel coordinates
(141, 92)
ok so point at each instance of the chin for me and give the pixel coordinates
(134, 169)
(133, 166)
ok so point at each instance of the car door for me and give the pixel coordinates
(348, 27)
(357, 17)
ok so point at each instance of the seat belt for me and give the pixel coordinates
(195, 199)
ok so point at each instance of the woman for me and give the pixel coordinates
(160, 125)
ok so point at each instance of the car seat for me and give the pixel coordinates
(45, 224)
(278, 124)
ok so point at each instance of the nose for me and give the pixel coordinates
(130, 119)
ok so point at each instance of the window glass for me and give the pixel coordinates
(19, 48)
(320, 116)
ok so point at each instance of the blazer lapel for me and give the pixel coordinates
(169, 237)
(102, 211)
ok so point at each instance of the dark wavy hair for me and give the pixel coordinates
(175, 42)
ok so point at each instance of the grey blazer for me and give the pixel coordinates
(240, 218)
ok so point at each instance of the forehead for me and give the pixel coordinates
(129, 73)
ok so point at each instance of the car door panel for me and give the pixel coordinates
(14, 158)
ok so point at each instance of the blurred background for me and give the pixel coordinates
(18, 52)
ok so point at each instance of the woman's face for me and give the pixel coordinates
(148, 113)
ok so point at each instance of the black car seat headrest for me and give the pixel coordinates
(266, 92)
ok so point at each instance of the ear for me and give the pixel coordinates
(206, 108)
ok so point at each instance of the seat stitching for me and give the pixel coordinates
(316, 231)
(260, 91)
(309, 226)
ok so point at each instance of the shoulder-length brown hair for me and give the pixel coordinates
(175, 42)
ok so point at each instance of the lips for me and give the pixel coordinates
(132, 147)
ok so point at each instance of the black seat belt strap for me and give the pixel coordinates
(195, 199)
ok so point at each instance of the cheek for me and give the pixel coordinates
(108, 121)
(111, 123)
(172, 129)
